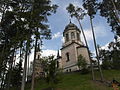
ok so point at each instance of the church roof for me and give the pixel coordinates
(71, 26)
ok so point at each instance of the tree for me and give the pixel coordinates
(114, 48)
(17, 72)
(41, 9)
(110, 9)
(11, 27)
(91, 7)
(19, 23)
(110, 58)
(79, 13)
(105, 56)
(82, 64)
(51, 70)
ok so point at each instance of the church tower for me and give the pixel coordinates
(72, 48)
(71, 34)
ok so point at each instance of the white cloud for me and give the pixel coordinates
(105, 46)
(118, 39)
(57, 35)
(49, 52)
(46, 52)
(62, 40)
(99, 32)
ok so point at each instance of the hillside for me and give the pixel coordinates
(76, 81)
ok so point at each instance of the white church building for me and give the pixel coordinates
(71, 49)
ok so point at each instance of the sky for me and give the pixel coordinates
(61, 19)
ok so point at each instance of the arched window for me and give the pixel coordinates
(78, 36)
(67, 56)
(72, 35)
(67, 37)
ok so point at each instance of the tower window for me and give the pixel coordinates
(78, 36)
(67, 37)
(72, 35)
(67, 56)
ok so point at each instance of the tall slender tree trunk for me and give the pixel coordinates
(2, 65)
(92, 70)
(1, 57)
(34, 61)
(28, 70)
(25, 67)
(14, 59)
(2, 78)
(116, 12)
(10, 70)
(95, 45)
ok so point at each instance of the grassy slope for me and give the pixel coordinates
(76, 81)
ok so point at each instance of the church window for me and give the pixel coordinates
(67, 37)
(67, 56)
(72, 35)
(78, 36)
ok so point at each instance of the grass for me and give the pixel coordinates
(76, 81)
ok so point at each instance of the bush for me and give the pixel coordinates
(84, 71)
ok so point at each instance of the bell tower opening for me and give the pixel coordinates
(67, 37)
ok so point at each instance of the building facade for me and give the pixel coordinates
(38, 66)
(72, 48)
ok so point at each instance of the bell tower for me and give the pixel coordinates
(72, 48)
(71, 34)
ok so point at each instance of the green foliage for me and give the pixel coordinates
(116, 59)
(91, 6)
(106, 59)
(110, 9)
(52, 73)
(76, 12)
(111, 57)
(81, 62)
(17, 72)
(20, 21)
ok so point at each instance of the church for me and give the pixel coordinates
(71, 49)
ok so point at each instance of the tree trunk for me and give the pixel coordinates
(2, 80)
(1, 58)
(116, 12)
(25, 67)
(95, 45)
(10, 70)
(33, 74)
(92, 70)
(28, 65)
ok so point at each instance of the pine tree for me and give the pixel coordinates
(110, 9)
(91, 7)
